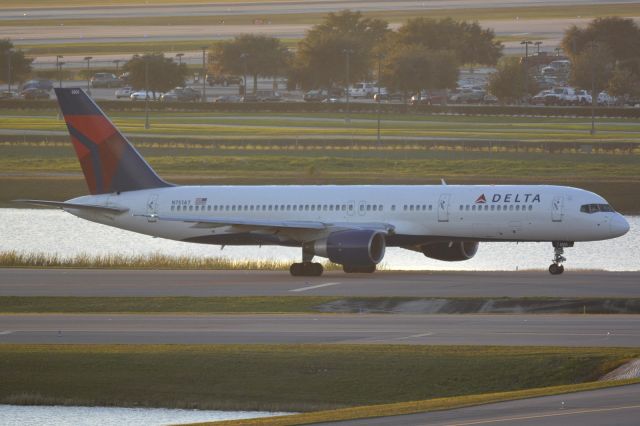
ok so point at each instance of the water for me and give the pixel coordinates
(57, 232)
(20, 415)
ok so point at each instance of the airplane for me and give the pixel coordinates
(350, 225)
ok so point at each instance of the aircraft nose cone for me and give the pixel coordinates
(618, 226)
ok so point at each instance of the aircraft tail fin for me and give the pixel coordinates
(109, 162)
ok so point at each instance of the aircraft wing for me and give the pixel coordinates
(75, 206)
(276, 224)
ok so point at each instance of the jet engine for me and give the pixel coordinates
(451, 251)
(350, 247)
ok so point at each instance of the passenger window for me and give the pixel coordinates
(466, 207)
(361, 207)
(380, 207)
(511, 207)
(344, 207)
(460, 207)
(473, 207)
(393, 207)
(331, 207)
(530, 207)
(190, 208)
(368, 207)
(493, 207)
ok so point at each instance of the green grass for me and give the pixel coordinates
(284, 377)
(523, 13)
(306, 304)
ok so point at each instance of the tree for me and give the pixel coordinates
(321, 57)
(163, 73)
(20, 66)
(592, 69)
(471, 43)
(508, 82)
(256, 55)
(414, 68)
(624, 82)
(620, 36)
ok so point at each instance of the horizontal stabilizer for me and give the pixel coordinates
(75, 206)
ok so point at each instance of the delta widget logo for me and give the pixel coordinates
(481, 199)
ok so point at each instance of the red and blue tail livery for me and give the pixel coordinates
(109, 162)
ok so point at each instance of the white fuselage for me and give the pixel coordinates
(416, 213)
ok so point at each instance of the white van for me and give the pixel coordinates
(363, 90)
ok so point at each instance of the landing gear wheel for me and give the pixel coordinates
(352, 269)
(556, 269)
(306, 269)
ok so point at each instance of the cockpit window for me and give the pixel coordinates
(595, 208)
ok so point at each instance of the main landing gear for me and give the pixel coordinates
(556, 268)
(307, 268)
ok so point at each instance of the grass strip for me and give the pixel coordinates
(285, 377)
(317, 304)
(489, 13)
(412, 407)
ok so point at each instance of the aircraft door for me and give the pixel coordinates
(152, 207)
(557, 209)
(443, 208)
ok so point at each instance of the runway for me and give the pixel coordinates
(511, 330)
(109, 282)
(612, 406)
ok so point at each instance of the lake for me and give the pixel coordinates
(58, 232)
(26, 415)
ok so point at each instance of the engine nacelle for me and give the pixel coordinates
(451, 252)
(350, 247)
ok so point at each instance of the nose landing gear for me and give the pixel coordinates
(556, 268)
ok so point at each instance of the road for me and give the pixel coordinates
(613, 406)
(503, 330)
(109, 282)
(269, 8)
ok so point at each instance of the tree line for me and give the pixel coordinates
(422, 54)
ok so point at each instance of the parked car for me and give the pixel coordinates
(6, 94)
(384, 96)
(124, 92)
(540, 98)
(363, 90)
(561, 96)
(420, 99)
(605, 99)
(226, 99)
(557, 67)
(181, 94)
(320, 95)
(467, 96)
(38, 83)
(35, 93)
(105, 79)
(142, 95)
(250, 98)
(583, 98)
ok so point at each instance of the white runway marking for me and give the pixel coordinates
(4, 333)
(314, 287)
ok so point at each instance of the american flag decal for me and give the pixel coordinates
(201, 201)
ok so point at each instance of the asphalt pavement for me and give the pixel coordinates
(612, 406)
(112, 282)
(503, 330)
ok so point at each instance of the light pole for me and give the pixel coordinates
(348, 53)
(59, 68)
(380, 56)
(204, 75)
(88, 59)
(179, 56)
(526, 66)
(594, 96)
(538, 43)
(9, 53)
(147, 125)
(558, 50)
(244, 56)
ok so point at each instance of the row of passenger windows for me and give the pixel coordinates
(346, 207)
(299, 207)
(268, 207)
(494, 207)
